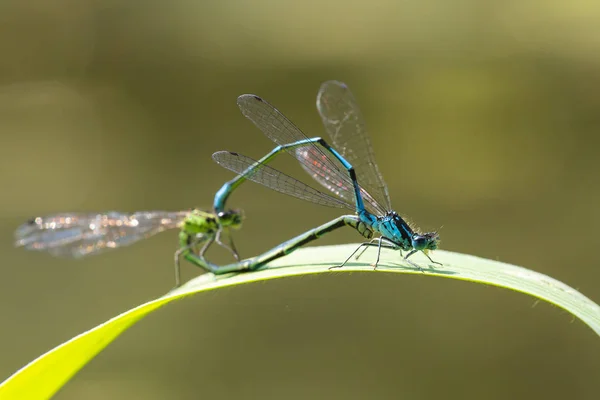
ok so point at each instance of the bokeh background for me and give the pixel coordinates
(484, 117)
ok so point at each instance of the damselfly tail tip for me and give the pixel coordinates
(231, 218)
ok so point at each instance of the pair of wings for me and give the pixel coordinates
(80, 234)
(345, 125)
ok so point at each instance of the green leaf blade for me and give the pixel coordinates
(43, 377)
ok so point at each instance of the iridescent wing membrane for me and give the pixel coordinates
(276, 180)
(345, 125)
(79, 234)
(322, 173)
(316, 160)
(282, 131)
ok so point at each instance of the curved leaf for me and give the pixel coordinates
(43, 377)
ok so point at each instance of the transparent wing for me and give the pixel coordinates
(79, 234)
(346, 127)
(321, 173)
(276, 180)
(282, 131)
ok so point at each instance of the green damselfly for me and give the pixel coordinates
(77, 235)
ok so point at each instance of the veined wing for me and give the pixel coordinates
(80, 234)
(345, 124)
(282, 131)
(276, 180)
(322, 174)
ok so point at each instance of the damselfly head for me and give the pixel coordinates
(426, 241)
(231, 218)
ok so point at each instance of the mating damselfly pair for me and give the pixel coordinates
(345, 167)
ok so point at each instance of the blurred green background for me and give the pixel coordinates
(484, 117)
